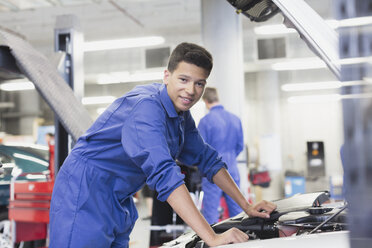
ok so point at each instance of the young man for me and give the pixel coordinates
(136, 141)
(223, 131)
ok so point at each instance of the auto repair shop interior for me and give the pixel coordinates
(297, 74)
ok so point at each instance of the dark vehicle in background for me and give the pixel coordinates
(32, 159)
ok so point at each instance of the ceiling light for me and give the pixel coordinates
(354, 22)
(325, 85)
(122, 43)
(282, 29)
(357, 60)
(126, 77)
(15, 85)
(326, 98)
(299, 64)
(98, 100)
(311, 86)
(314, 98)
(273, 29)
(354, 96)
(314, 63)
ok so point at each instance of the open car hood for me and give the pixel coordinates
(300, 214)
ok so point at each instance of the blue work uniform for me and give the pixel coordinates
(136, 140)
(223, 131)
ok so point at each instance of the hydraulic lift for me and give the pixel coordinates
(30, 201)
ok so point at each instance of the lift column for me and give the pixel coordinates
(69, 39)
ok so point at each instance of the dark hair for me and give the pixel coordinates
(50, 134)
(190, 53)
(210, 95)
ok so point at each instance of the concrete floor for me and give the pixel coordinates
(140, 236)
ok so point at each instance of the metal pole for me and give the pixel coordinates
(68, 39)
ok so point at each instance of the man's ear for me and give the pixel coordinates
(166, 77)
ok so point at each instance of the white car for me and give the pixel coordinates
(303, 220)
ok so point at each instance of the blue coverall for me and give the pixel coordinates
(136, 140)
(223, 131)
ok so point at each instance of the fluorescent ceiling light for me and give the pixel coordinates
(98, 100)
(311, 86)
(326, 98)
(126, 77)
(276, 29)
(314, 63)
(299, 64)
(354, 22)
(15, 85)
(357, 60)
(361, 95)
(314, 98)
(122, 43)
(325, 85)
(273, 29)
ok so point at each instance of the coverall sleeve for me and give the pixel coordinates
(196, 152)
(144, 140)
(240, 142)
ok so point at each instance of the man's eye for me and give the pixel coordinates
(183, 79)
(201, 85)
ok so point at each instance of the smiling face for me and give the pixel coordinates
(185, 85)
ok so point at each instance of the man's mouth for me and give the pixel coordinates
(186, 100)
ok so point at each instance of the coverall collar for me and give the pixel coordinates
(219, 106)
(167, 102)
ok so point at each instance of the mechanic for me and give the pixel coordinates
(137, 140)
(223, 131)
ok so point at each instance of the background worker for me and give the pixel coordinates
(148, 195)
(136, 141)
(223, 131)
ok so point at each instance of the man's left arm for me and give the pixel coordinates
(196, 152)
(224, 181)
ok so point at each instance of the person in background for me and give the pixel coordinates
(148, 195)
(223, 131)
(49, 138)
(137, 140)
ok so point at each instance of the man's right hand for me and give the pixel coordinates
(231, 236)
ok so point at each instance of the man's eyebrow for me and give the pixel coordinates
(183, 75)
(188, 77)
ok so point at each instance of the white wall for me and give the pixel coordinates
(299, 123)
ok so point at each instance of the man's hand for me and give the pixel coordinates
(231, 236)
(261, 209)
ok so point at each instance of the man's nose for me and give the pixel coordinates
(190, 88)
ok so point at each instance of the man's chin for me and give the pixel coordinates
(185, 108)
